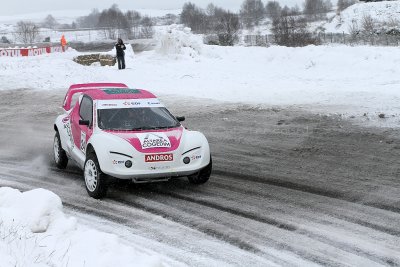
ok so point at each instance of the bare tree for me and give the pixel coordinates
(292, 31)
(273, 9)
(295, 10)
(316, 9)
(343, 4)
(27, 32)
(252, 12)
(89, 21)
(147, 27)
(134, 18)
(393, 23)
(228, 28)
(285, 11)
(368, 25)
(354, 31)
(194, 17)
(115, 23)
(49, 22)
(223, 25)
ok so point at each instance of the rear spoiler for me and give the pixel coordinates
(79, 88)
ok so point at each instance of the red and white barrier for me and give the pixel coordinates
(29, 52)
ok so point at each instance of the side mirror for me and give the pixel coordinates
(181, 118)
(84, 122)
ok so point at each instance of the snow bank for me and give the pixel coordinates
(35, 232)
(176, 40)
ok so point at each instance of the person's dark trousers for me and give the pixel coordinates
(121, 62)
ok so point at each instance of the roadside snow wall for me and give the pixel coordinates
(176, 40)
(34, 231)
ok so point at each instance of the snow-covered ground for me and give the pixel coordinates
(344, 79)
(34, 231)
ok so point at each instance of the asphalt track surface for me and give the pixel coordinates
(289, 187)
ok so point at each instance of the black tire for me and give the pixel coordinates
(202, 176)
(96, 182)
(60, 157)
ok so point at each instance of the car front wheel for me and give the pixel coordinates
(95, 179)
(202, 176)
(60, 157)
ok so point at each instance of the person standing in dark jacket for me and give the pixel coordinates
(120, 47)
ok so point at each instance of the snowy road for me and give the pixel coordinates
(289, 188)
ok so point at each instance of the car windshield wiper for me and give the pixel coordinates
(142, 128)
(153, 128)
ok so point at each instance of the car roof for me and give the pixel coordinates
(97, 85)
(118, 93)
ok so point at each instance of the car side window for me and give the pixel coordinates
(86, 108)
(75, 99)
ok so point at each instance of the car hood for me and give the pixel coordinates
(155, 141)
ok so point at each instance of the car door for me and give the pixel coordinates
(81, 132)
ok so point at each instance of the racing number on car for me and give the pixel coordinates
(83, 142)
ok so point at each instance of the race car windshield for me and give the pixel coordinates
(126, 119)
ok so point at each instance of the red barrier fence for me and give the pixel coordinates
(29, 52)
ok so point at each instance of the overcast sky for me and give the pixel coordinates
(14, 7)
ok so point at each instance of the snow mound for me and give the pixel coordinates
(34, 231)
(381, 12)
(176, 40)
(37, 209)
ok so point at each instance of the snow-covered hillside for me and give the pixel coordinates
(380, 11)
(69, 16)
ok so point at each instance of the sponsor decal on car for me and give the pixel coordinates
(195, 157)
(109, 105)
(158, 157)
(117, 162)
(67, 126)
(159, 168)
(83, 142)
(129, 103)
(153, 140)
(153, 103)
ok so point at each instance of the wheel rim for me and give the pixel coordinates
(91, 175)
(56, 150)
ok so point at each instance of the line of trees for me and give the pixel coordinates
(27, 32)
(130, 24)
(253, 12)
(289, 24)
(212, 20)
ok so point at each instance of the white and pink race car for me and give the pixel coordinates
(111, 131)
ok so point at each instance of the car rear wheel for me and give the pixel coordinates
(202, 176)
(95, 179)
(60, 157)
